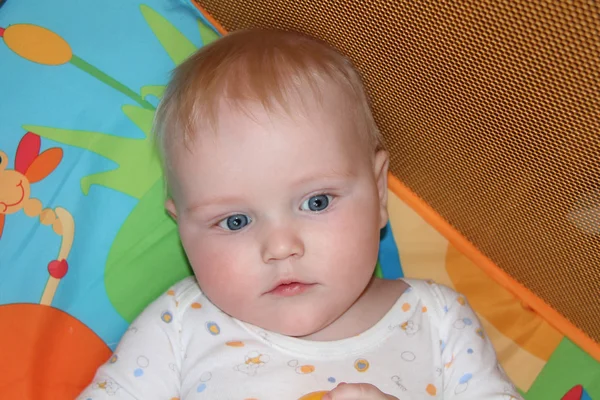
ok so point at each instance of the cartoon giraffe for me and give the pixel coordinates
(15, 190)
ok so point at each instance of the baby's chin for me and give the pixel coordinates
(301, 320)
(300, 332)
(297, 327)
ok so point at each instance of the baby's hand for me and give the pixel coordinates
(357, 391)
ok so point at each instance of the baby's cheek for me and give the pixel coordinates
(224, 273)
(357, 233)
(212, 263)
(356, 244)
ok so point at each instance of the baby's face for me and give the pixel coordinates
(280, 217)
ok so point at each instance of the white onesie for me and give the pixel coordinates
(430, 345)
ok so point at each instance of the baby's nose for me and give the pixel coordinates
(282, 243)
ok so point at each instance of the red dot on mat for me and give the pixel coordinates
(58, 269)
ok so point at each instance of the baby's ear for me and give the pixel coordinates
(381, 165)
(170, 207)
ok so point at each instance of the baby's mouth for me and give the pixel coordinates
(288, 288)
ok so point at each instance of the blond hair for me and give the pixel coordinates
(264, 66)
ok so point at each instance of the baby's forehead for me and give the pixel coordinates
(322, 100)
(254, 121)
(306, 101)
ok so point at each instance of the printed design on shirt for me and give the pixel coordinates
(465, 322)
(410, 327)
(253, 361)
(463, 383)
(398, 381)
(113, 359)
(171, 293)
(480, 333)
(301, 369)
(108, 385)
(431, 389)
(235, 343)
(142, 362)
(195, 305)
(204, 378)
(213, 328)
(173, 368)
(406, 307)
(361, 365)
(408, 356)
(461, 300)
(133, 329)
(166, 317)
(449, 363)
(462, 323)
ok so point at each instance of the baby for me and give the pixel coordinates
(277, 178)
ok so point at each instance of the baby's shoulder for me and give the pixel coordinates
(435, 296)
(178, 298)
(184, 292)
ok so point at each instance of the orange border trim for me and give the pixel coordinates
(552, 316)
(209, 18)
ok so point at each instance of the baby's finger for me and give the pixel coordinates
(357, 391)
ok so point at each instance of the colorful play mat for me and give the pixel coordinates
(85, 243)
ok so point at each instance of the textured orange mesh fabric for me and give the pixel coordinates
(491, 112)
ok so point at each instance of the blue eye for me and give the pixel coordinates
(317, 203)
(235, 222)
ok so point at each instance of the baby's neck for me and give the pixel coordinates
(374, 303)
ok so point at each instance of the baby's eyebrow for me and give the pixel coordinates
(324, 176)
(216, 201)
(213, 201)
